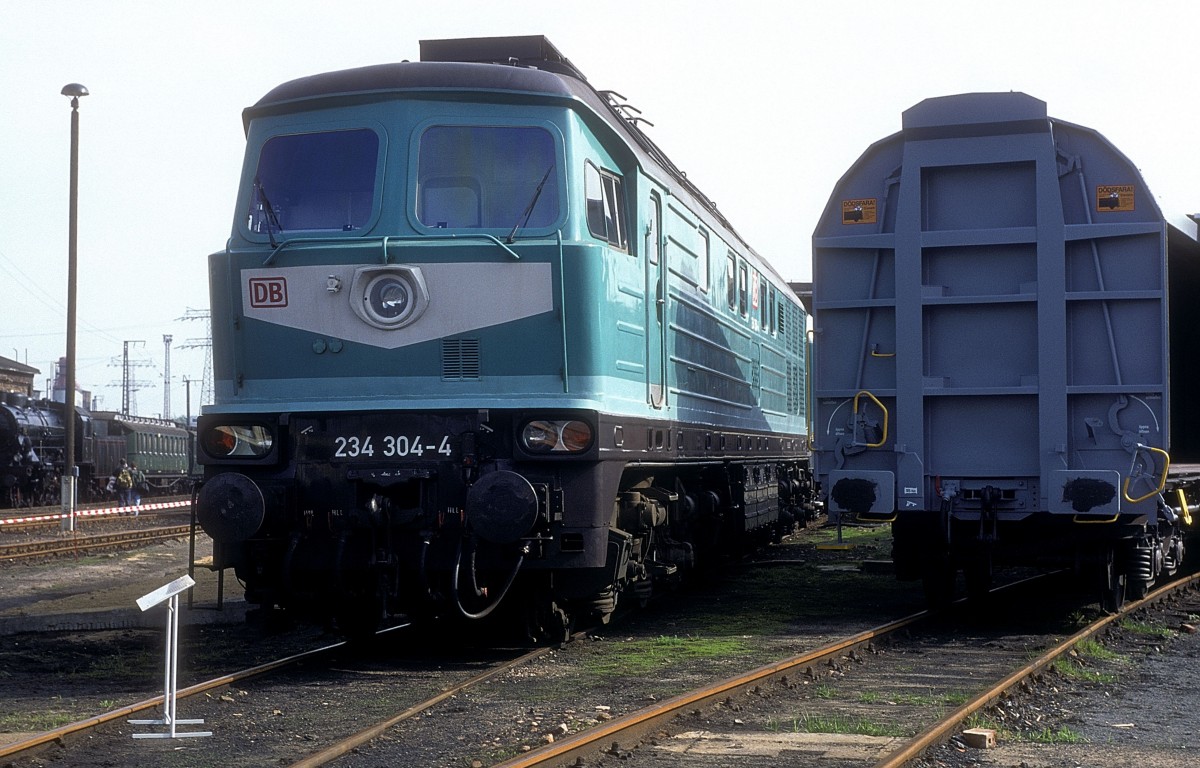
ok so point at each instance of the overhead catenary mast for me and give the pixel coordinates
(166, 411)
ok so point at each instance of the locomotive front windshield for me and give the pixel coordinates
(486, 177)
(311, 181)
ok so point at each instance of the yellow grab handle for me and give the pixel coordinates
(1162, 483)
(885, 417)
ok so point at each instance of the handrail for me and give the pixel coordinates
(562, 301)
(1162, 483)
(883, 408)
(810, 335)
(1097, 521)
(1184, 509)
(384, 241)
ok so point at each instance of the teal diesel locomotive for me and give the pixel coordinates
(482, 350)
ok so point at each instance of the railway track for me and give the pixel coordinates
(965, 665)
(72, 733)
(81, 736)
(81, 544)
(670, 729)
(365, 712)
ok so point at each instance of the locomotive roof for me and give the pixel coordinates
(409, 75)
(517, 65)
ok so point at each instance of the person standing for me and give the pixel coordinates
(124, 484)
(139, 484)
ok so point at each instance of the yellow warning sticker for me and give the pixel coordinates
(1114, 197)
(859, 211)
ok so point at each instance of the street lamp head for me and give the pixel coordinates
(74, 90)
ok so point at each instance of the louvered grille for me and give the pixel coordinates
(460, 359)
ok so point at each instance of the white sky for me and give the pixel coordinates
(764, 103)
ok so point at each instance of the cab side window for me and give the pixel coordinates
(605, 206)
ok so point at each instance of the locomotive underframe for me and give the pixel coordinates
(364, 539)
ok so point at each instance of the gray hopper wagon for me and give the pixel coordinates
(998, 369)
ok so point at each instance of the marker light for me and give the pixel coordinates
(556, 436)
(233, 441)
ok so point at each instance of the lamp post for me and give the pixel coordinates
(69, 478)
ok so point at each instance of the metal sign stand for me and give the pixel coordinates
(170, 593)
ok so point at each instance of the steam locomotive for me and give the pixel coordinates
(33, 447)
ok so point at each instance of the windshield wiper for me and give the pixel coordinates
(272, 217)
(524, 218)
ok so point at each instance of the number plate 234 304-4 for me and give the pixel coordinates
(392, 447)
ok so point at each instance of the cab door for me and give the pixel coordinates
(656, 306)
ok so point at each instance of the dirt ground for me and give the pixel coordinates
(1137, 710)
(1141, 714)
(104, 583)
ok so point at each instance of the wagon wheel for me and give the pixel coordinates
(1136, 589)
(1111, 582)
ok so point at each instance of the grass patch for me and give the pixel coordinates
(1060, 735)
(34, 722)
(857, 726)
(648, 655)
(765, 602)
(859, 535)
(1146, 630)
(1091, 649)
(1082, 674)
(956, 699)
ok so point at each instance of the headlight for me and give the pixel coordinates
(389, 297)
(241, 440)
(552, 436)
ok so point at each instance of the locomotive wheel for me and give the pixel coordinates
(547, 623)
(1112, 582)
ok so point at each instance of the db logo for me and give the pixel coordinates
(268, 292)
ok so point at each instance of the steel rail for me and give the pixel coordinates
(940, 731)
(346, 745)
(82, 544)
(64, 732)
(637, 724)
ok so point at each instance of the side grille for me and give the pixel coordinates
(460, 359)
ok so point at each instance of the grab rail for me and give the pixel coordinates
(1162, 483)
(883, 408)
(1184, 509)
